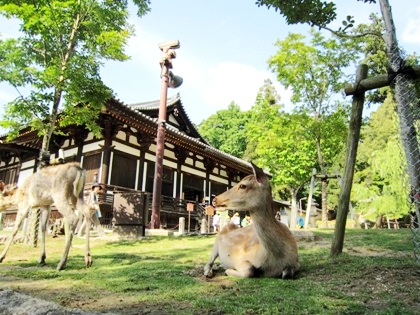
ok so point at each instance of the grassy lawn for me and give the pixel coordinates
(375, 275)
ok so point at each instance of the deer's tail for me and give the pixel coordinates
(79, 182)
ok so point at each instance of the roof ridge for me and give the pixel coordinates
(155, 103)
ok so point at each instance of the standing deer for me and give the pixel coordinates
(264, 248)
(63, 186)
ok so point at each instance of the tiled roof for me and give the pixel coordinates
(175, 134)
(154, 105)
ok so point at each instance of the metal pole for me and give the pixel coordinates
(160, 147)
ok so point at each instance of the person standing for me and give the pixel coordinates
(93, 201)
(216, 222)
(246, 221)
(236, 219)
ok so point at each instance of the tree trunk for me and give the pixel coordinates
(293, 213)
(378, 222)
(406, 100)
(324, 185)
(309, 205)
(324, 192)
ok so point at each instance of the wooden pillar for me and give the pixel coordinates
(108, 132)
(79, 135)
(209, 165)
(145, 141)
(181, 156)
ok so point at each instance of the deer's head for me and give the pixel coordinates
(251, 193)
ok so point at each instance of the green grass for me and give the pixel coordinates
(375, 275)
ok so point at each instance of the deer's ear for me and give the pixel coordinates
(259, 173)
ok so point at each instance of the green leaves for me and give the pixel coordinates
(312, 12)
(59, 51)
(314, 68)
(381, 183)
(226, 130)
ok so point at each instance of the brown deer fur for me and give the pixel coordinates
(61, 185)
(264, 248)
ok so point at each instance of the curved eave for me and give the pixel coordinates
(151, 108)
(172, 135)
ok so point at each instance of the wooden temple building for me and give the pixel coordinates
(123, 161)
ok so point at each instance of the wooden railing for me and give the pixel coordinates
(171, 208)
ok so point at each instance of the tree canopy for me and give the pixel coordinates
(225, 130)
(381, 187)
(57, 57)
(313, 12)
(316, 72)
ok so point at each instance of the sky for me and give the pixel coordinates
(224, 50)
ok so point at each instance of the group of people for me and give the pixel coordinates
(235, 219)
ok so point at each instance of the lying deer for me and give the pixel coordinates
(63, 186)
(264, 248)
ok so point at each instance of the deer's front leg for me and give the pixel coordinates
(88, 257)
(22, 213)
(208, 268)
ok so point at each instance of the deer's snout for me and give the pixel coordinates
(214, 202)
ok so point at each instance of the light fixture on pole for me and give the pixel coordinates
(172, 81)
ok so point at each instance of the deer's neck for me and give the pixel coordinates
(267, 228)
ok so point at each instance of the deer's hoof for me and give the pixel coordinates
(288, 273)
(61, 265)
(89, 262)
(42, 261)
(208, 271)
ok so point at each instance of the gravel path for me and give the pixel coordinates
(13, 303)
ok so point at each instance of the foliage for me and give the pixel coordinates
(313, 12)
(225, 130)
(57, 57)
(376, 275)
(316, 72)
(381, 186)
(280, 142)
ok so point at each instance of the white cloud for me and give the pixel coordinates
(9, 27)
(229, 81)
(7, 93)
(411, 32)
(143, 48)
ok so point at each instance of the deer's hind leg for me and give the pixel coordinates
(45, 214)
(70, 221)
(244, 270)
(22, 213)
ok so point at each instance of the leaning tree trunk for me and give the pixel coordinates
(44, 154)
(408, 114)
(353, 139)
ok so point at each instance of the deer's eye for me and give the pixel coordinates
(242, 186)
